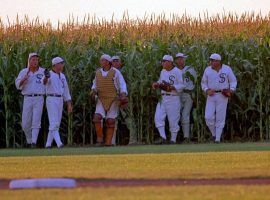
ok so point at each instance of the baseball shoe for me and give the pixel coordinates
(33, 145)
(186, 141)
(217, 142)
(61, 146)
(99, 144)
(28, 146)
(172, 142)
(48, 147)
(160, 140)
(213, 138)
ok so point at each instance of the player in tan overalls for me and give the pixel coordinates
(110, 88)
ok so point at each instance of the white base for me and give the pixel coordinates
(42, 183)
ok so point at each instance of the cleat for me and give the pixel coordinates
(160, 141)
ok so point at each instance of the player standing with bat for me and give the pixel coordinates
(30, 84)
(57, 93)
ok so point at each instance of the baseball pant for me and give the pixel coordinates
(31, 117)
(186, 106)
(55, 109)
(111, 113)
(169, 106)
(215, 114)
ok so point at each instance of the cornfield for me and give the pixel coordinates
(243, 41)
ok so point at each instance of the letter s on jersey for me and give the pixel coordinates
(222, 77)
(172, 79)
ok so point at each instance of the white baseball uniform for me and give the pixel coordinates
(57, 92)
(189, 78)
(216, 105)
(120, 86)
(170, 104)
(33, 91)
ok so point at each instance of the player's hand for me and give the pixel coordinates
(47, 73)
(155, 85)
(210, 92)
(123, 100)
(69, 107)
(24, 80)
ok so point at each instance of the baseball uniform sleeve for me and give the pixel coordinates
(204, 82)
(121, 81)
(66, 94)
(232, 80)
(94, 85)
(19, 79)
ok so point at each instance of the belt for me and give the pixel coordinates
(218, 91)
(34, 95)
(187, 91)
(54, 95)
(168, 94)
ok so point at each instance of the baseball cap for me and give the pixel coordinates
(215, 56)
(116, 58)
(106, 57)
(181, 55)
(168, 58)
(57, 60)
(32, 55)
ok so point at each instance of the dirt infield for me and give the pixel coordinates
(4, 184)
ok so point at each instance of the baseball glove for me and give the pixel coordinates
(226, 92)
(47, 73)
(165, 86)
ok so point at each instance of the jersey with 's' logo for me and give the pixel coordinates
(34, 83)
(173, 77)
(218, 80)
(189, 77)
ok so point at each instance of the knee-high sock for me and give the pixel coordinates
(49, 139)
(35, 132)
(161, 131)
(218, 134)
(173, 136)
(186, 129)
(57, 139)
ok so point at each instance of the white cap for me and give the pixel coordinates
(168, 58)
(116, 58)
(181, 55)
(106, 57)
(32, 55)
(57, 60)
(215, 56)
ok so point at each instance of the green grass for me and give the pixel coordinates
(149, 193)
(237, 160)
(156, 149)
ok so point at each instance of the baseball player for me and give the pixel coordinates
(171, 84)
(30, 84)
(109, 86)
(189, 78)
(117, 63)
(219, 83)
(57, 92)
